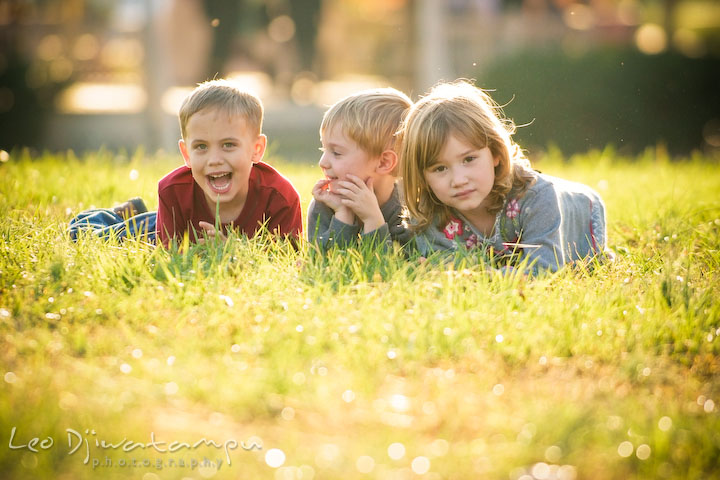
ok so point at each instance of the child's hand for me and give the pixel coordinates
(321, 193)
(211, 233)
(361, 199)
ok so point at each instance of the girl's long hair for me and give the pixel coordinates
(467, 112)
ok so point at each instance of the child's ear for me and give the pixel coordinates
(259, 148)
(388, 162)
(184, 152)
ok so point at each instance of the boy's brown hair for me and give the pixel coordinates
(226, 95)
(371, 118)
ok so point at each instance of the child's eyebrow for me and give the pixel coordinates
(466, 153)
(222, 140)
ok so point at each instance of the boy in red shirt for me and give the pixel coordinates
(224, 183)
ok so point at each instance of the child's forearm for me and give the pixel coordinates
(373, 223)
(345, 215)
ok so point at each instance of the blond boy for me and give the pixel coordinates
(224, 183)
(359, 198)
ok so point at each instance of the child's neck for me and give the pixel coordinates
(383, 187)
(228, 212)
(482, 220)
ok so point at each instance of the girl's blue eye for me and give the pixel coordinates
(469, 159)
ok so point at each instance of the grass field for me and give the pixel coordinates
(125, 361)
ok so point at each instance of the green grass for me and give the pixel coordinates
(334, 360)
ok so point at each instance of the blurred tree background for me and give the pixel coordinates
(581, 74)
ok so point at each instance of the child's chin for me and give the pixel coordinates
(216, 196)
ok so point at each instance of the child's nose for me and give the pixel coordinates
(215, 156)
(323, 162)
(458, 178)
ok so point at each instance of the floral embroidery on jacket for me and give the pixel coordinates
(453, 228)
(513, 208)
(512, 213)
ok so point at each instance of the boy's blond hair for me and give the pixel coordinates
(470, 114)
(371, 118)
(226, 95)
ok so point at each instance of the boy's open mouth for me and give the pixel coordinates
(220, 182)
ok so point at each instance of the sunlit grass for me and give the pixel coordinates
(360, 364)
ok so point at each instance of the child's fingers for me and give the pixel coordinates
(352, 187)
(320, 189)
(321, 185)
(355, 180)
(209, 229)
(211, 232)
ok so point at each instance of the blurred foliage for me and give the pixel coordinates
(21, 113)
(607, 96)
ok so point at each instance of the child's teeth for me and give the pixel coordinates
(220, 181)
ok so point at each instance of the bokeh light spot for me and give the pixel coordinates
(553, 454)
(275, 457)
(665, 424)
(399, 403)
(643, 452)
(688, 42)
(420, 465)
(281, 29)
(439, 447)
(49, 48)
(541, 471)
(625, 449)
(651, 39)
(365, 464)
(396, 451)
(86, 47)
(578, 16)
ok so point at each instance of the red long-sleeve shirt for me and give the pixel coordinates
(271, 197)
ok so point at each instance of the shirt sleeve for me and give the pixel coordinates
(326, 230)
(541, 224)
(287, 220)
(167, 222)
